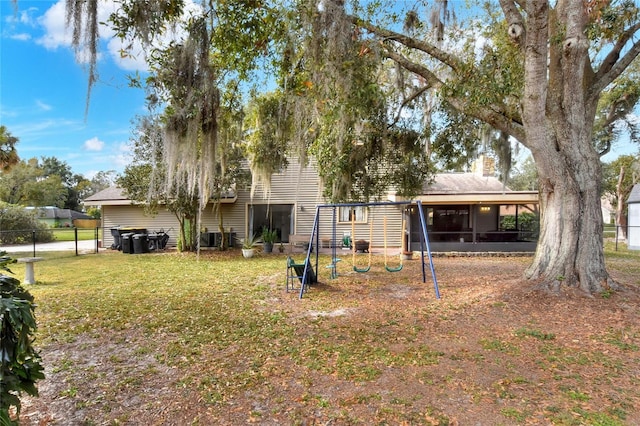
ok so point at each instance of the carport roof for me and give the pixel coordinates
(471, 188)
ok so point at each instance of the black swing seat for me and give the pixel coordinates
(295, 271)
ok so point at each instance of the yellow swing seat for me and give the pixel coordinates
(353, 243)
(386, 266)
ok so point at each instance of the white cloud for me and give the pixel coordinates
(24, 17)
(54, 23)
(21, 37)
(134, 61)
(43, 106)
(57, 35)
(93, 144)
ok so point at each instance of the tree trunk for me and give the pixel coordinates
(223, 240)
(558, 116)
(570, 250)
(621, 217)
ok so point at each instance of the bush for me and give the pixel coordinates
(94, 212)
(17, 225)
(20, 366)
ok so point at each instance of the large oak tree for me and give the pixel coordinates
(570, 52)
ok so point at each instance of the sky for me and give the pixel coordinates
(43, 92)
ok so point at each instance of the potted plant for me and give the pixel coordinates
(249, 245)
(407, 255)
(269, 237)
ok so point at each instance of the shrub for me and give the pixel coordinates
(17, 225)
(19, 362)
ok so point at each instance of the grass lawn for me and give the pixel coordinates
(175, 339)
(68, 234)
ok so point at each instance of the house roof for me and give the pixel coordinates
(50, 212)
(456, 183)
(447, 188)
(114, 196)
(110, 196)
(634, 197)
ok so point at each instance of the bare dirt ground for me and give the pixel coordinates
(491, 351)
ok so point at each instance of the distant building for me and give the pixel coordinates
(56, 217)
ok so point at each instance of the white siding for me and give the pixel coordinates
(633, 233)
(132, 216)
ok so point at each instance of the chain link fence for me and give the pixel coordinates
(623, 236)
(50, 242)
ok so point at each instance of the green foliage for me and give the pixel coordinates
(20, 366)
(101, 180)
(94, 212)
(527, 221)
(523, 331)
(250, 241)
(26, 184)
(8, 151)
(524, 177)
(267, 126)
(269, 235)
(74, 184)
(17, 225)
(49, 182)
(630, 165)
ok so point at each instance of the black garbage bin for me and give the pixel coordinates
(140, 243)
(127, 242)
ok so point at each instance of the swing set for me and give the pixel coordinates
(315, 239)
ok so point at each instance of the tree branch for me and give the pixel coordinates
(431, 50)
(612, 67)
(422, 71)
(413, 96)
(516, 29)
(494, 117)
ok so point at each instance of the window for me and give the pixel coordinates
(274, 216)
(357, 213)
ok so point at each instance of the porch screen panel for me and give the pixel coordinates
(523, 218)
(449, 222)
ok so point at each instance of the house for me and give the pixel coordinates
(633, 222)
(464, 211)
(56, 217)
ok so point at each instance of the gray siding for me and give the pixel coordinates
(301, 187)
(297, 185)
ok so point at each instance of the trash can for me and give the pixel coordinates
(127, 242)
(140, 243)
(115, 233)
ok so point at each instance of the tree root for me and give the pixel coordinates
(560, 287)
